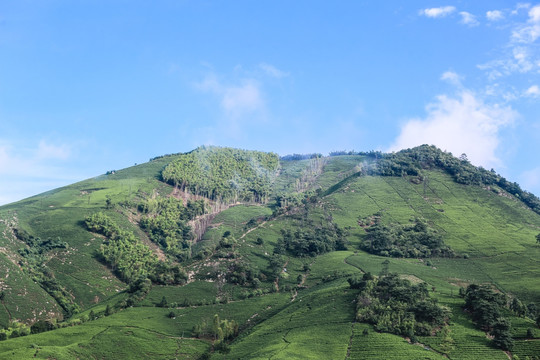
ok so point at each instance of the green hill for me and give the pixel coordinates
(235, 254)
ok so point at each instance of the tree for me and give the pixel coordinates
(447, 343)
(518, 308)
(385, 266)
(538, 238)
(276, 263)
(216, 325)
(108, 202)
(108, 310)
(502, 337)
(163, 302)
(532, 310)
(41, 326)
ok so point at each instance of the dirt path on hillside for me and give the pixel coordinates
(276, 282)
(250, 230)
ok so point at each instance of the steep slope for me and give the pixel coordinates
(273, 252)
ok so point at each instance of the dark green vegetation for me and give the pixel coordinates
(395, 305)
(485, 307)
(314, 232)
(407, 240)
(225, 253)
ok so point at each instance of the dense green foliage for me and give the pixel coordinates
(224, 174)
(417, 239)
(166, 221)
(485, 306)
(313, 234)
(128, 257)
(311, 241)
(395, 305)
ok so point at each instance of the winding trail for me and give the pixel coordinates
(276, 282)
(250, 230)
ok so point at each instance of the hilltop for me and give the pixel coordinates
(228, 253)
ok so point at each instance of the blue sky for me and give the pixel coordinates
(90, 86)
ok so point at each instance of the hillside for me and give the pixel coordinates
(234, 254)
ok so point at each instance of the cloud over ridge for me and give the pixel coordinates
(460, 124)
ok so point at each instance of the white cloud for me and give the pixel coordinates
(244, 98)
(39, 161)
(529, 32)
(522, 62)
(235, 99)
(520, 6)
(494, 15)
(51, 151)
(438, 12)
(520, 54)
(452, 77)
(533, 91)
(26, 171)
(462, 124)
(273, 71)
(468, 19)
(519, 60)
(534, 14)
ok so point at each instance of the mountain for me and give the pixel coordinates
(236, 254)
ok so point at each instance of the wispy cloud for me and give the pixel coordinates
(520, 55)
(28, 170)
(235, 99)
(241, 97)
(272, 71)
(437, 12)
(461, 124)
(533, 91)
(519, 7)
(530, 31)
(468, 19)
(452, 77)
(47, 150)
(494, 15)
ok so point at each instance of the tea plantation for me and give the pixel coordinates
(231, 254)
